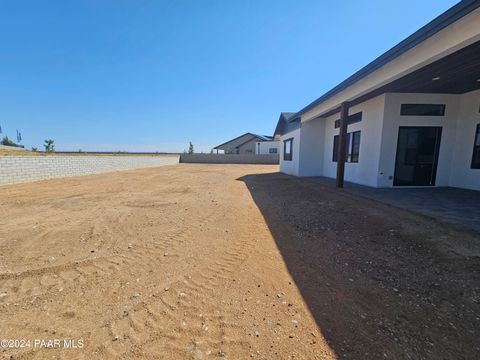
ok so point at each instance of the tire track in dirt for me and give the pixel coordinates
(169, 325)
(179, 315)
(37, 282)
(145, 258)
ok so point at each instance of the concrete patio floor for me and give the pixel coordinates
(457, 206)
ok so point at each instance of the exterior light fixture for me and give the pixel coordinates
(436, 78)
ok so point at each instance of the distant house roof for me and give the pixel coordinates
(238, 141)
(287, 122)
(263, 137)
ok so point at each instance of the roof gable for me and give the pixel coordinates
(241, 140)
(286, 123)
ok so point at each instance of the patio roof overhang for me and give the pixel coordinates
(449, 44)
(443, 57)
(456, 73)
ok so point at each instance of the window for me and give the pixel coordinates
(476, 150)
(422, 109)
(352, 119)
(288, 150)
(352, 147)
(355, 149)
(272, 150)
(248, 151)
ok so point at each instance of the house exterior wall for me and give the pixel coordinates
(381, 115)
(310, 155)
(230, 147)
(381, 120)
(291, 167)
(364, 172)
(263, 147)
(461, 173)
(393, 120)
(248, 147)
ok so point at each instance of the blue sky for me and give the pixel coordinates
(152, 75)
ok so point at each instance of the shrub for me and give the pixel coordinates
(7, 142)
(49, 146)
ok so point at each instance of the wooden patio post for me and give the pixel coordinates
(342, 144)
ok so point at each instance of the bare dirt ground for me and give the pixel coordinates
(14, 151)
(229, 261)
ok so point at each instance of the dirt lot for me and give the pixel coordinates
(229, 261)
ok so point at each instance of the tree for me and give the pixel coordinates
(34, 149)
(49, 146)
(211, 151)
(190, 148)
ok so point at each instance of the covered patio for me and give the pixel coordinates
(409, 118)
(453, 205)
(454, 74)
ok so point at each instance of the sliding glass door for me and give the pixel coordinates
(417, 155)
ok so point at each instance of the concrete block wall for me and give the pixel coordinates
(229, 158)
(18, 169)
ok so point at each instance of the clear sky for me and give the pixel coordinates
(152, 75)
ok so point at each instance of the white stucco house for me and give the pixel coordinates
(269, 147)
(249, 143)
(409, 118)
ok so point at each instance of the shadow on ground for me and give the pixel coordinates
(381, 282)
(457, 206)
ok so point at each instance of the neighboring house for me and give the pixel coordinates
(270, 147)
(247, 144)
(409, 118)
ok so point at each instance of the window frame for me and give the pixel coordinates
(350, 156)
(404, 108)
(352, 119)
(355, 135)
(289, 156)
(476, 148)
(273, 151)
